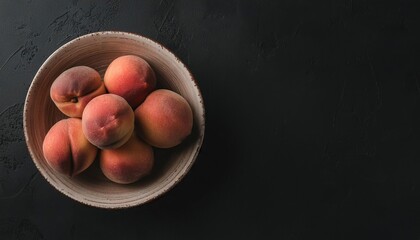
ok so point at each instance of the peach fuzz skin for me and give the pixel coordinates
(129, 163)
(131, 77)
(66, 149)
(74, 88)
(164, 119)
(108, 121)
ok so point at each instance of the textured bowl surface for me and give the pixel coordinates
(97, 50)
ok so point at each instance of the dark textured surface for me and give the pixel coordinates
(312, 113)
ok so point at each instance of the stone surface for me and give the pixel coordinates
(312, 119)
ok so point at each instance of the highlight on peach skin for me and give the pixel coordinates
(72, 90)
(128, 163)
(131, 77)
(108, 121)
(164, 119)
(66, 149)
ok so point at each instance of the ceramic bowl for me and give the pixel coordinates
(97, 50)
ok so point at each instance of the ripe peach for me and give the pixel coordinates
(129, 163)
(74, 88)
(108, 121)
(66, 149)
(131, 77)
(164, 119)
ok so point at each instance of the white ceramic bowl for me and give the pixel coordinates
(97, 50)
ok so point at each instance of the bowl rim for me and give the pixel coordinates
(165, 188)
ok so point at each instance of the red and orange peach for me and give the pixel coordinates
(66, 149)
(74, 88)
(108, 121)
(131, 77)
(164, 119)
(128, 163)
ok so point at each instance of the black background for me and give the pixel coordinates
(312, 119)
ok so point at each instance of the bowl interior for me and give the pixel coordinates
(97, 50)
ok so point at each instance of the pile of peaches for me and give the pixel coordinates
(117, 120)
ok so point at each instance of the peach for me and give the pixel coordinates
(164, 119)
(74, 88)
(66, 149)
(131, 77)
(129, 163)
(108, 121)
